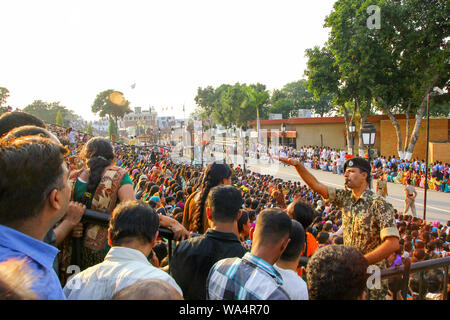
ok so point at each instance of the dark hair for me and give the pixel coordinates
(302, 212)
(225, 203)
(177, 210)
(323, 237)
(273, 225)
(15, 119)
(27, 130)
(213, 176)
(338, 240)
(99, 154)
(242, 220)
(434, 281)
(154, 189)
(179, 196)
(31, 167)
(343, 279)
(296, 244)
(414, 283)
(395, 285)
(133, 219)
(160, 250)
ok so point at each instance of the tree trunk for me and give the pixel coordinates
(361, 146)
(398, 131)
(407, 137)
(419, 117)
(396, 126)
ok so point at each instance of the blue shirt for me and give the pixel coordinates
(38, 256)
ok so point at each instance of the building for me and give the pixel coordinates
(331, 132)
(139, 122)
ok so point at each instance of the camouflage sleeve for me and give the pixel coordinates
(337, 196)
(385, 215)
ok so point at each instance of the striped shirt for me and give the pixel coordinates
(249, 278)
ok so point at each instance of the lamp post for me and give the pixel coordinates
(368, 133)
(190, 130)
(283, 133)
(223, 147)
(202, 145)
(436, 91)
(352, 129)
(243, 146)
(159, 136)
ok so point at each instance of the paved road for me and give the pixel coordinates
(438, 203)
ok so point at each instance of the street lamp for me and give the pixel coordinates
(368, 133)
(352, 130)
(159, 136)
(243, 146)
(436, 91)
(223, 147)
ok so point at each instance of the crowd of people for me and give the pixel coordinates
(238, 235)
(394, 169)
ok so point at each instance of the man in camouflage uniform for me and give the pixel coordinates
(367, 219)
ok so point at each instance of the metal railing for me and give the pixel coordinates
(406, 269)
(103, 219)
(419, 267)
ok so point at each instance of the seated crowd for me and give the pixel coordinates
(238, 235)
(395, 170)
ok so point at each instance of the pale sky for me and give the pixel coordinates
(69, 51)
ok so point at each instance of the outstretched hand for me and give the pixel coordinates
(289, 161)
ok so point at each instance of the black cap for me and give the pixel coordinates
(360, 163)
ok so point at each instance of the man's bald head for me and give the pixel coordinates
(150, 289)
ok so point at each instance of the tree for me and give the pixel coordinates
(112, 130)
(59, 119)
(111, 103)
(324, 78)
(395, 67)
(205, 100)
(282, 105)
(323, 105)
(4, 95)
(89, 129)
(48, 111)
(255, 103)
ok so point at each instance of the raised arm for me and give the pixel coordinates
(309, 179)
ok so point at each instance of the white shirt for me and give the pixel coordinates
(71, 135)
(121, 268)
(293, 284)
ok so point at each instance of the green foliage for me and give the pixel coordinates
(112, 130)
(298, 95)
(59, 119)
(229, 105)
(89, 129)
(391, 69)
(4, 95)
(105, 107)
(48, 111)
